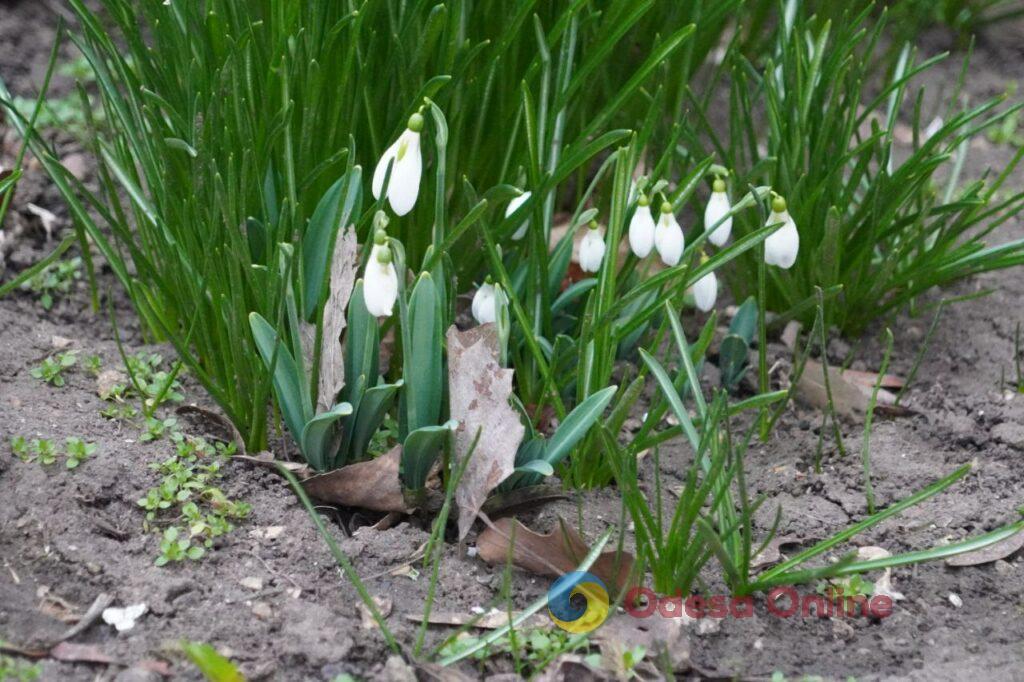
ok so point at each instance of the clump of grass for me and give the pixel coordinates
(879, 223)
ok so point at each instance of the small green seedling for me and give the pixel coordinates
(44, 450)
(14, 670)
(77, 451)
(214, 667)
(52, 369)
(174, 547)
(54, 281)
(157, 428)
(20, 448)
(120, 411)
(93, 364)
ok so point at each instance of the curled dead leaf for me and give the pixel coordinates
(552, 554)
(479, 391)
(851, 391)
(372, 484)
(994, 552)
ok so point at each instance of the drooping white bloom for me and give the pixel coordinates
(484, 308)
(641, 229)
(668, 237)
(513, 206)
(718, 208)
(380, 283)
(705, 292)
(781, 246)
(592, 249)
(406, 163)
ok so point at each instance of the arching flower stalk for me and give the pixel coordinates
(781, 247)
(668, 237)
(406, 162)
(380, 281)
(718, 210)
(592, 248)
(641, 228)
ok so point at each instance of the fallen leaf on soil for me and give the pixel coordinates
(266, 459)
(252, 582)
(573, 668)
(553, 554)
(79, 653)
(76, 164)
(662, 638)
(883, 586)
(201, 421)
(772, 553)
(124, 619)
(994, 552)
(60, 342)
(384, 606)
(107, 380)
(373, 484)
(851, 391)
(344, 261)
(479, 390)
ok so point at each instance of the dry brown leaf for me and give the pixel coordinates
(553, 554)
(372, 484)
(851, 391)
(79, 653)
(772, 552)
(492, 620)
(479, 390)
(366, 619)
(107, 380)
(344, 262)
(994, 552)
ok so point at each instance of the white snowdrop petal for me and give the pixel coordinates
(484, 304)
(669, 240)
(380, 286)
(718, 207)
(783, 245)
(705, 292)
(405, 178)
(592, 250)
(382, 169)
(641, 232)
(513, 206)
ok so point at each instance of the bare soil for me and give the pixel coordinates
(67, 536)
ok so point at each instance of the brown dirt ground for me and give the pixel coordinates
(55, 525)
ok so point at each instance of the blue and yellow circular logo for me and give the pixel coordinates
(578, 602)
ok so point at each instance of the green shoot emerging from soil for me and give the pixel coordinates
(55, 281)
(51, 371)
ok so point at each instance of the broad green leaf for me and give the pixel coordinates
(372, 409)
(420, 451)
(335, 209)
(319, 437)
(295, 407)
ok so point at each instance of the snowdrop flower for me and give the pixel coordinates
(781, 247)
(592, 249)
(513, 206)
(406, 163)
(380, 283)
(705, 290)
(641, 228)
(484, 303)
(668, 237)
(717, 209)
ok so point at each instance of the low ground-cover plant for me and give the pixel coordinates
(76, 450)
(186, 507)
(882, 224)
(55, 281)
(51, 370)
